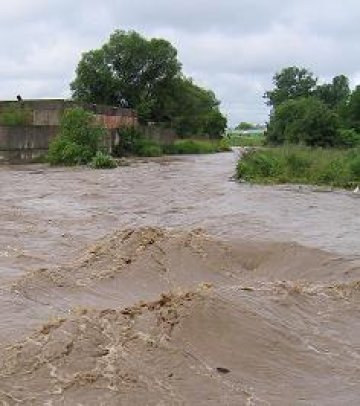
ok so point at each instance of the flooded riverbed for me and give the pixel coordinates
(165, 282)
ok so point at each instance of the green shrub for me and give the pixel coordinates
(348, 138)
(190, 146)
(128, 138)
(133, 142)
(224, 145)
(15, 116)
(258, 165)
(355, 166)
(292, 164)
(102, 161)
(147, 148)
(333, 172)
(236, 140)
(68, 153)
(306, 121)
(78, 139)
(297, 162)
(193, 147)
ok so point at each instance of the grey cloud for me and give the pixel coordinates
(200, 15)
(231, 46)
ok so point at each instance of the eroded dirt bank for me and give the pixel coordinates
(114, 292)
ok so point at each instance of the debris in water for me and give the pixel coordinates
(222, 370)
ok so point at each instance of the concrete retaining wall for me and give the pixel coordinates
(24, 144)
(48, 112)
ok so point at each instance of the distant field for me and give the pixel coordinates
(195, 146)
(236, 140)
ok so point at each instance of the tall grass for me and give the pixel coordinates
(193, 146)
(103, 161)
(301, 165)
(236, 140)
(147, 148)
(134, 143)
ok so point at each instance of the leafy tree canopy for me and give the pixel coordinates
(244, 126)
(305, 121)
(351, 111)
(290, 83)
(316, 115)
(334, 94)
(145, 74)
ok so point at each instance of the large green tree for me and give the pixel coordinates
(290, 83)
(334, 94)
(191, 109)
(145, 74)
(351, 112)
(305, 121)
(316, 115)
(129, 69)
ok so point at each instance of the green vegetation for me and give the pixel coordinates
(102, 161)
(313, 133)
(236, 140)
(307, 113)
(291, 83)
(147, 148)
(146, 75)
(244, 126)
(134, 143)
(306, 121)
(128, 137)
(301, 165)
(15, 116)
(78, 139)
(191, 146)
(350, 112)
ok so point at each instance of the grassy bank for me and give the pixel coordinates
(148, 148)
(301, 165)
(236, 140)
(191, 146)
(134, 143)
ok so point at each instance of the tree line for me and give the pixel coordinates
(145, 74)
(306, 112)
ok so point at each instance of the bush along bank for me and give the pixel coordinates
(190, 146)
(301, 165)
(78, 141)
(102, 161)
(134, 143)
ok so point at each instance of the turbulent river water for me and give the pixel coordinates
(165, 282)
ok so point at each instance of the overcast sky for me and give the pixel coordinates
(231, 46)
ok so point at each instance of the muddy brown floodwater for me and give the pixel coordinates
(165, 282)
